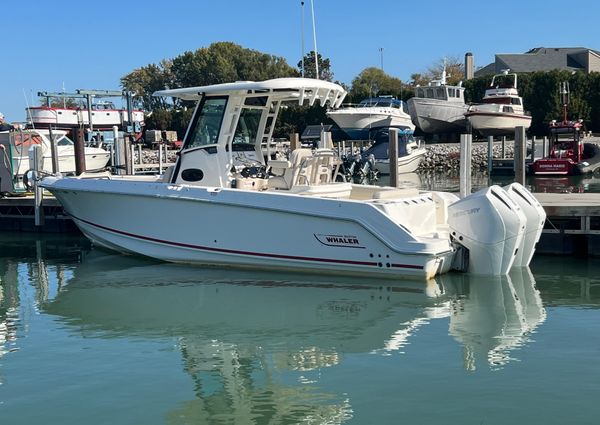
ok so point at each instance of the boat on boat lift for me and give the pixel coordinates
(231, 208)
(502, 108)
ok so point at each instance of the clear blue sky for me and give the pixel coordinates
(92, 44)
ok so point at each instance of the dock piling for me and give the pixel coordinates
(37, 157)
(466, 141)
(490, 146)
(393, 157)
(520, 154)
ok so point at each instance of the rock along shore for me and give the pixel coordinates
(446, 156)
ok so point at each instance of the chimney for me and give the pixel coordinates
(469, 66)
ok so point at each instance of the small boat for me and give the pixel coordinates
(222, 195)
(19, 142)
(568, 154)
(439, 108)
(410, 152)
(502, 108)
(383, 111)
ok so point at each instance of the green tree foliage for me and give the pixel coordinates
(221, 62)
(310, 70)
(374, 82)
(225, 62)
(146, 80)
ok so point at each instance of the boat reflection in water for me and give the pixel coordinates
(495, 317)
(259, 342)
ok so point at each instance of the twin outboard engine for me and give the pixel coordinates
(498, 228)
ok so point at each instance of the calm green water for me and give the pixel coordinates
(90, 337)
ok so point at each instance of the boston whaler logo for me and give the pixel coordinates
(344, 241)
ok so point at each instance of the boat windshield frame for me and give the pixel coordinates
(191, 140)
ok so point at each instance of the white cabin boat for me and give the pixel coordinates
(17, 144)
(383, 111)
(439, 108)
(502, 108)
(230, 208)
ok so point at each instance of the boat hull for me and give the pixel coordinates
(406, 164)
(357, 124)
(494, 124)
(226, 227)
(95, 159)
(437, 116)
(568, 167)
(42, 116)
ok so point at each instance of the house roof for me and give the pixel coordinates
(540, 59)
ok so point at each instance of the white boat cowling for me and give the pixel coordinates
(491, 226)
(536, 217)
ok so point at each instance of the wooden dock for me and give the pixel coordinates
(572, 226)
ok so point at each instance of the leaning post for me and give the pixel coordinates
(393, 157)
(466, 140)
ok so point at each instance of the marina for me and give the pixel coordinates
(389, 229)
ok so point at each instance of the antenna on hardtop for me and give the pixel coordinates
(564, 97)
(302, 35)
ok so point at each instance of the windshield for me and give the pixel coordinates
(207, 123)
(64, 141)
(246, 131)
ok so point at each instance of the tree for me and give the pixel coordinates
(455, 72)
(221, 62)
(310, 69)
(225, 62)
(146, 80)
(373, 82)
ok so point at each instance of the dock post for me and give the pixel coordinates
(132, 159)
(79, 149)
(533, 143)
(117, 155)
(294, 141)
(520, 154)
(503, 147)
(53, 152)
(393, 157)
(160, 157)
(545, 147)
(38, 192)
(490, 143)
(466, 141)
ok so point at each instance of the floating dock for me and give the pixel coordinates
(572, 224)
